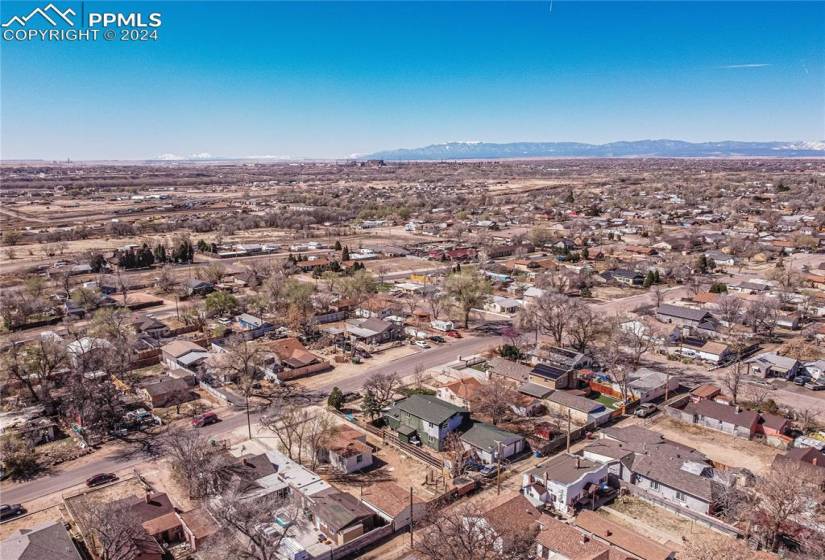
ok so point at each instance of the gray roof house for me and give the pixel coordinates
(426, 419)
(771, 364)
(668, 313)
(47, 541)
(487, 441)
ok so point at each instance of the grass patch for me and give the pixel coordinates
(607, 401)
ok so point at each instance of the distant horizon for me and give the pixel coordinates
(812, 145)
(329, 80)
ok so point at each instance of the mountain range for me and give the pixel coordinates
(640, 148)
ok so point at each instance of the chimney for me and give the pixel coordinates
(147, 496)
(585, 539)
(608, 532)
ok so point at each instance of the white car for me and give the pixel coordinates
(421, 344)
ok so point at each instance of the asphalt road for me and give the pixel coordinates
(425, 359)
(118, 461)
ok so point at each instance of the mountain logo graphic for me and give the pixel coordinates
(50, 13)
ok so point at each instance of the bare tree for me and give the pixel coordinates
(253, 521)
(469, 290)
(786, 494)
(553, 313)
(716, 547)
(463, 533)
(585, 326)
(436, 301)
(494, 399)
(731, 311)
(456, 454)
(242, 363)
(383, 386)
(112, 529)
(199, 465)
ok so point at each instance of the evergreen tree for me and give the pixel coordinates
(649, 279)
(702, 264)
(656, 278)
(345, 254)
(337, 246)
(336, 398)
(585, 253)
(370, 405)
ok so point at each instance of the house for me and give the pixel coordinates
(648, 384)
(196, 287)
(680, 481)
(714, 352)
(803, 456)
(626, 277)
(720, 258)
(551, 376)
(151, 327)
(392, 503)
(512, 371)
(489, 443)
(706, 391)
(771, 364)
(255, 325)
(287, 358)
(749, 288)
(182, 354)
(508, 519)
(374, 330)
(198, 526)
(46, 541)
(347, 451)
(816, 369)
(88, 353)
(685, 316)
(619, 537)
(504, 305)
(166, 391)
(341, 516)
(557, 540)
(732, 420)
(563, 358)
(461, 392)
(426, 419)
(581, 410)
(564, 483)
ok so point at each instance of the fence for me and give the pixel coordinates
(392, 439)
(712, 522)
(357, 544)
(288, 375)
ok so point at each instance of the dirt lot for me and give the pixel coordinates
(655, 523)
(719, 447)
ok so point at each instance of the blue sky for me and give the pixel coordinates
(331, 79)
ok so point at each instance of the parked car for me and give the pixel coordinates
(454, 334)
(814, 386)
(646, 410)
(205, 419)
(438, 339)
(99, 479)
(801, 380)
(10, 511)
(489, 472)
(421, 344)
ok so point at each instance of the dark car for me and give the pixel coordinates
(438, 339)
(10, 511)
(801, 380)
(489, 472)
(205, 419)
(101, 478)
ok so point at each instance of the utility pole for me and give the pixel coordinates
(412, 517)
(498, 469)
(248, 419)
(568, 430)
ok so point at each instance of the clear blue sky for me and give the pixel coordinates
(331, 79)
